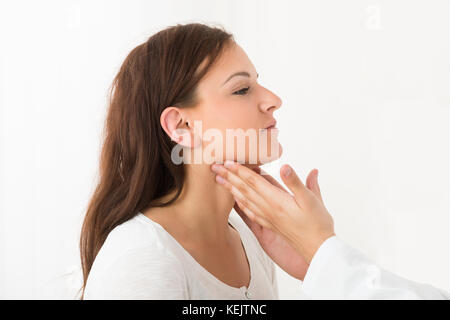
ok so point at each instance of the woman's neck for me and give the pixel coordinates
(202, 208)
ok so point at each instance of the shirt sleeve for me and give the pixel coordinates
(146, 273)
(338, 271)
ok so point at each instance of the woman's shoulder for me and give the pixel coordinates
(138, 236)
(131, 234)
(135, 262)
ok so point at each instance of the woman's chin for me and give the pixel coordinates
(264, 157)
(274, 155)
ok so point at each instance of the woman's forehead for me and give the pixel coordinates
(233, 60)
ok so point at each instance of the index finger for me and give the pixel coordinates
(253, 179)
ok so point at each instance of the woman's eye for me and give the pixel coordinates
(242, 91)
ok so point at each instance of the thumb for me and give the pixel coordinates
(312, 183)
(292, 181)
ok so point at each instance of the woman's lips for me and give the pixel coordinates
(272, 129)
(272, 124)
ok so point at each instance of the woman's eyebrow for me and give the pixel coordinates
(240, 73)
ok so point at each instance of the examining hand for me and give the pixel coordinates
(274, 244)
(301, 217)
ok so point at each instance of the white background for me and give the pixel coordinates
(366, 100)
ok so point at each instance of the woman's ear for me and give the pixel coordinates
(174, 123)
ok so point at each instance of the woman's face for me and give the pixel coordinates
(231, 98)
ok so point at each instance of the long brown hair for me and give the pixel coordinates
(135, 161)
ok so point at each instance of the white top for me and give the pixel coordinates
(338, 271)
(141, 260)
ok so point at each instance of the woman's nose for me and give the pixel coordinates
(273, 103)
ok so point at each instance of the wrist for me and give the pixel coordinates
(307, 248)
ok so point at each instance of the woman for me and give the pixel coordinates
(155, 229)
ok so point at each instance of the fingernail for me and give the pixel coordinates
(229, 164)
(287, 171)
(219, 179)
(215, 168)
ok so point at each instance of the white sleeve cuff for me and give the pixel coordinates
(320, 269)
(338, 271)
